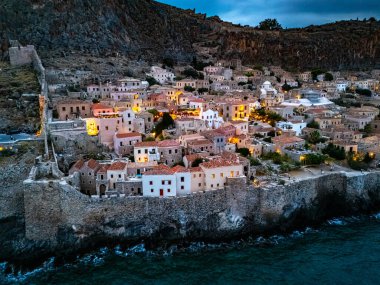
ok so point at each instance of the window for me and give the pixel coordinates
(163, 182)
(83, 108)
(221, 175)
(89, 173)
(121, 143)
(182, 179)
(200, 174)
(170, 151)
(139, 151)
(170, 182)
(182, 187)
(151, 190)
(119, 175)
(199, 184)
(213, 176)
(106, 128)
(63, 108)
(168, 190)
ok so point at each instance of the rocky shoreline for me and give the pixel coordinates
(54, 219)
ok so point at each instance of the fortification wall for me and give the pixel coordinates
(59, 216)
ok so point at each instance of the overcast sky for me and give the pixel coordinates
(290, 13)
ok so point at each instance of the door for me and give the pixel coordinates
(161, 192)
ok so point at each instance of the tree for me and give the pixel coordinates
(334, 152)
(364, 92)
(367, 129)
(329, 76)
(196, 162)
(316, 72)
(269, 25)
(191, 72)
(202, 90)
(286, 87)
(314, 158)
(152, 81)
(169, 62)
(189, 88)
(313, 124)
(314, 137)
(243, 151)
(165, 123)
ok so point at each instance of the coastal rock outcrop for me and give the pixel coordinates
(59, 220)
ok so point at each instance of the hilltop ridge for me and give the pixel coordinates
(151, 31)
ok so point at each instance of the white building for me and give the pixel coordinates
(146, 151)
(212, 118)
(161, 75)
(159, 182)
(296, 126)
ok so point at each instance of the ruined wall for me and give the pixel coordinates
(59, 216)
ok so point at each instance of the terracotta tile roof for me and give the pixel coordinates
(118, 165)
(72, 101)
(103, 168)
(286, 139)
(78, 164)
(168, 143)
(195, 169)
(199, 142)
(99, 106)
(216, 163)
(159, 170)
(93, 164)
(238, 122)
(179, 168)
(146, 144)
(127, 135)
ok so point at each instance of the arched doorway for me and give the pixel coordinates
(102, 189)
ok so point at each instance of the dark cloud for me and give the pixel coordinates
(290, 13)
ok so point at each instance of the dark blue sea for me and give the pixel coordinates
(342, 251)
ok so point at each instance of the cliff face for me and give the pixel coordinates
(59, 220)
(144, 29)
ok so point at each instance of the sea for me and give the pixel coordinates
(341, 251)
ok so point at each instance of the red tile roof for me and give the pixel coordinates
(168, 143)
(93, 164)
(146, 144)
(99, 106)
(78, 164)
(159, 170)
(216, 163)
(118, 165)
(179, 168)
(195, 169)
(103, 168)
(127, 135)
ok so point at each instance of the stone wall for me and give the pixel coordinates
(64, 220)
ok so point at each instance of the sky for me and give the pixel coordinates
(289, 13)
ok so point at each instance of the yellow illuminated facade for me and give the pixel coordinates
(91, 127)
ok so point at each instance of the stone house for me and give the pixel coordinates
(171, 152)
(217, 138)
(116, 172)
(218, 170)
(73, 109)
(88, 171)
(124, 142)
(146, 151)
(201, 145)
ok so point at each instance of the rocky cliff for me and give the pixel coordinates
(58, 220)
(145, 29)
